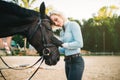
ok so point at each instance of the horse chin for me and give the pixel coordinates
(51, 62)
(52, 59)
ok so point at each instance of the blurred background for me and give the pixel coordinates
(99, 22)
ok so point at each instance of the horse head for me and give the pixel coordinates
(40, 37)
(36, 26)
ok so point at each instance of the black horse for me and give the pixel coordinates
(35, 26)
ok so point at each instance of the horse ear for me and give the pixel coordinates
(42, 10)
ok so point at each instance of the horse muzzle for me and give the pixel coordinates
(50, 57)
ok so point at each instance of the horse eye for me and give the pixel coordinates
(49, 28)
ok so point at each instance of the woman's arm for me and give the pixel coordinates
(77, 36)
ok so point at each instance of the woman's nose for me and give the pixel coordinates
(56, 23)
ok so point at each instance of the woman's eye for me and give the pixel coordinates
(56, 19)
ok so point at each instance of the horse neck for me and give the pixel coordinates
(21, 28)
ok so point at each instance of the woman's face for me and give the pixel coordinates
(57, 20)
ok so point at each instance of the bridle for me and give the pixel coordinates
(46, 46)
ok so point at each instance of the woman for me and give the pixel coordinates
(70, 45)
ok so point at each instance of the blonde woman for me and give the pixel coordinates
(70, 45)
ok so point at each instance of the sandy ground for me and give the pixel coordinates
(96, 68)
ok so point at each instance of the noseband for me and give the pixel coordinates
(46, 45)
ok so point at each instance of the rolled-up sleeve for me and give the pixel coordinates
(77, 37)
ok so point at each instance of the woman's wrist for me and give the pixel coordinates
(65, 45)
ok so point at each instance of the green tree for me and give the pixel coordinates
(104, 18)
(99, 33)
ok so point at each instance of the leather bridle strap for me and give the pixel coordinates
(36, 28)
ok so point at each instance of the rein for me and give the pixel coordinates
(45, 47)
(9, 67)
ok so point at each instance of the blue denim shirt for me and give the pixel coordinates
(71, 38)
